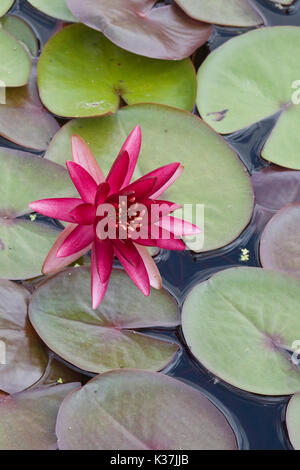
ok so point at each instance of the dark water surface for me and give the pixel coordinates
(257, 420)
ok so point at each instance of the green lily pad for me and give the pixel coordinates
(279, 245)
(27, 419)
(81, 73)
(23, 358)
(163, 33)
(24, 178)
(250, 78)
(5, 6)
(293, 419)
(21, 31)
(15, 63)
(24, 246)
(24, 120)
(140, 410)
(228, 13)
(105, 339)
(56, 8)
(213, 174)
(237, 324)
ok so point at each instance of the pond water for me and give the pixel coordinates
(257, 420)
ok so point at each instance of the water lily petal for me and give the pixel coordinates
(98, 288)
(162, 176)
(84, 214)
(127, 250)
(132, 145)
(52, 263)
(84, 157)
(77, 240)
(179, 227)
(102, 193)
(159, 208)
(137, 273)
(118, 171)
(85, 184)
(171, 244)
(141, 188)
(104, 258)
(150, 265)
(58, 208)
(173, 178)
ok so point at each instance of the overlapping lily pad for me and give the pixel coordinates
(293, 419)
(141, 410)
(21, 31)
(279, 245)
(105, 339)
(5, 6)
(250, 78)
(15, 63)
(23, 357)
(24, 244)
(81, 73)
(237, 324)
(275, 187)
(23, 119)
(27, 419)
(228, 13)
(56, 8)
(213, 175)
(163, 33)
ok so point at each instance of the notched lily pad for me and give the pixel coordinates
(27, 419)
(293, 419)
(23, 358)
(105, 339)
(81, 73)
(254, 76)
(163, 33)
(240, 323)
(279, 245)
(15, 63)
(56, 8)
(141, 410)
(221, 182)
(228, 13)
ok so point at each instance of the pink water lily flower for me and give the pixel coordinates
(111, 217)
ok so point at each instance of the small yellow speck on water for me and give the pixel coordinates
(245, 254)
(32, 217)
(76, 265)
(60, 380)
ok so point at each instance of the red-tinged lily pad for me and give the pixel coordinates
(252, 77)
(293, 420)
(141, 410)
(23, 357)
(15, 63)
(5, 6)
(274, 187)
(237, 325)
(27, 419)
(221, 183)
(21, 31)
(81, 73)
(24, 120)
(162, 33)
(228, 13)
(106, 338)
(56, 8)
(279, 245)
